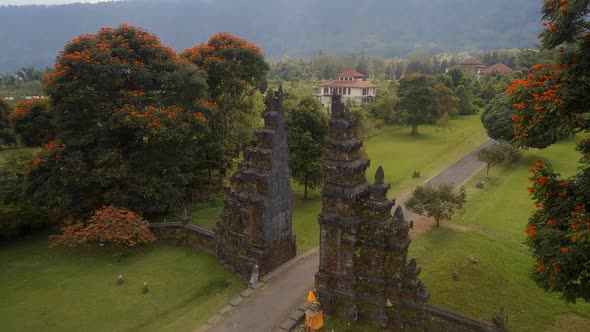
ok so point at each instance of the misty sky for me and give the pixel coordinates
(44, 2)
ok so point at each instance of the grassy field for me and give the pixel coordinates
(401, 153)
(8, 153)
(75, 290)
(493, 222)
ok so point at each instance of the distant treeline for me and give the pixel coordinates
(33, 35)
(325, 67)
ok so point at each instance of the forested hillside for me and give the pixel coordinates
(32, 35)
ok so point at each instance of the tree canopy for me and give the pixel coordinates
(417, 100)
(551, 103)
(498, 153)
(129, 115)
(236, 71)
(439, 203)
(31, 120)
(307, 132)
(497, 119)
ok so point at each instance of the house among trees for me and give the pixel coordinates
(497, 69)
(477, 68)
(351, 85)
(473, 65)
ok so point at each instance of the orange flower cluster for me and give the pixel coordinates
(98, 49)
(224, 40)
(24, 107)
(206, 103)
(531, 230)
(49, 152)
(112, 225)
(215, 51)
(550, 25)
(540, 92)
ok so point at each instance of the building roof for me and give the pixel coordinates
(472, 62)
(350, 73)
(348, 84)
(498, 68)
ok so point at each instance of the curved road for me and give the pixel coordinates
(282, 294)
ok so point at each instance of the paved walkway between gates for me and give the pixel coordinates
(267, 306)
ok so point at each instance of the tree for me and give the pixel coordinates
(307, 132)
(444, 125)
(120, 228)
(551, 103)
(128, 116)
(496, 119)
(439, 203)
(32, 122)
(498, 153)
(417, 100)
(456, 76)
(6, 136)
(385, 105)
(465, 101)
(235, 71)
(447, 100)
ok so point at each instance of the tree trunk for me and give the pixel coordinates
(437, 223)
(305, 188)
(414, 129)
(222, 174)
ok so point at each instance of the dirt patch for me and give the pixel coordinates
(424, 224)
(421, 226)
(570, 323)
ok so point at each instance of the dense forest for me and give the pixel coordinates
(32, 35)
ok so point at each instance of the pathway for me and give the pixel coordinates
(286, 288)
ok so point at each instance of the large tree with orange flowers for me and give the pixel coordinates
(551, 103)
(129, 118)
(236, 70)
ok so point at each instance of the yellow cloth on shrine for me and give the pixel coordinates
(314, 319)
(311, 297)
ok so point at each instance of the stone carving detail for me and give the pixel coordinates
(255, 227)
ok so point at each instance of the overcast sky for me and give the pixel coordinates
(44, 2)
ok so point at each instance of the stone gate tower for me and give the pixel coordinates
(363, 273)
(256, 224)
(344, 194)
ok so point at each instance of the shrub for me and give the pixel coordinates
(497, 119)
(17, 220)
(17, 216)
(111, 225)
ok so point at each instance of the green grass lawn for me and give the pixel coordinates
(494, 219)
(399, 153)
(63, 289)
(204, 214)
(8, 153)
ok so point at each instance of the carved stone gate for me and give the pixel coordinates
(255, 227)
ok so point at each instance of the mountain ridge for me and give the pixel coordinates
(34, 34)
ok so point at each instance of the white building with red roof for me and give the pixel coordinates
(351, 85)
(497, 69)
